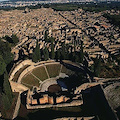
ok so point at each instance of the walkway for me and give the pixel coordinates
(44, 86)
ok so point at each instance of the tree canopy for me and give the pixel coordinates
(14, 38)
(36, 53)
(52, 50)
(6, 87)
(46, 54)
(2, 65)
(5, 52)
(97, 66)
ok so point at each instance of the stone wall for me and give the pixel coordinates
(22, 64)
(73, 103)
(17, 107)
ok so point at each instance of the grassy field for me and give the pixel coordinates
(30, 80)
(16, 76)
(40, 73)
(53, 70)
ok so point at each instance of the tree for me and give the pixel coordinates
(57, 55)
(75, 42)
(9, 39)
(97, 66)
(46, 54)
(76, 57)
(21, 54)
(52, 51)
(67, 51)
(46, 36)
(36, 54)
(34, 57)
(5, 52)
(85, 62)
(63, 52)
(2, 65)
(71, 53)
(7, 88)
(6, 96)
(51, 39)
(81, 56)
(14, 38)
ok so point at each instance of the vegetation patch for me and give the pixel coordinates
(30, 80)
(114, 19)
(65, 7)
(8, 114)
(17, 74)
(108, 71)
(40, 73)
(53, 70)
(66, 71)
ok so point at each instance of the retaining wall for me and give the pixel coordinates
(17, 107)
(74, 103)
(22, 64)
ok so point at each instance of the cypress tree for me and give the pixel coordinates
(34, 57)
(46, 54)
(37, 51)
(63, 51)
(57, 55)
(52, 51)
(67, 51)
(71, 53)
(85, 62)
(76, 57)
(97, 66)
(36, 54)
(46, 36)
(81, 53)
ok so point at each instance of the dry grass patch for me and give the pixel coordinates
(40, 73)
(53, 69)
(30, 80)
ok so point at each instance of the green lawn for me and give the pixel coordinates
(30, 80)
(53, 70)
(40, 73)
